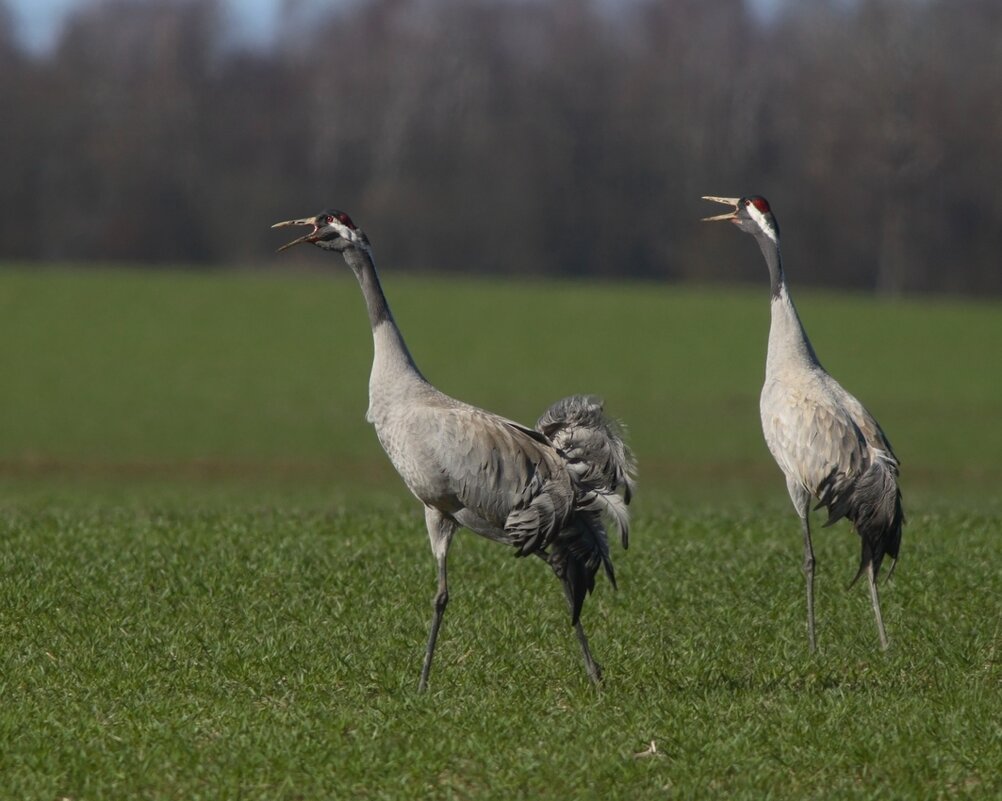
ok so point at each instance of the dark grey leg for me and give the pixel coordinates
(875, 600)
(440, 531)
(805, 525)
(593, 668)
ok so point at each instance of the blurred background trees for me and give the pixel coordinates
(518, 136)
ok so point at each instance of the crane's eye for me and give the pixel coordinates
(330, 218)
(747, 202)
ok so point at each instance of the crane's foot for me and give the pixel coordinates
(595, 674)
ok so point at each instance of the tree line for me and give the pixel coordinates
(518, 136)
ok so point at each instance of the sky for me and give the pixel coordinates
(39, 21)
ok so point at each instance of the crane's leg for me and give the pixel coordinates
(875, 600)
(805, 525)
(802, 503)
(593, 668)
(440, 531)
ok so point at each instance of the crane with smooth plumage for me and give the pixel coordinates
(827, 444)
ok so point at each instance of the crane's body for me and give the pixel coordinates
(480, 483)
(475, 469)
(829, 447)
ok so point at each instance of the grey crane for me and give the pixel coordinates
(825, 442)
(545, 491)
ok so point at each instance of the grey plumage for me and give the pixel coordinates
(593, 445)
(827, 444)
(545, 491)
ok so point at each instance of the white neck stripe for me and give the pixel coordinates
(760, 218)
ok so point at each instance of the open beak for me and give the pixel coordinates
(727, 201)
(310, 237)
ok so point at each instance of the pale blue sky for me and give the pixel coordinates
(38, 21)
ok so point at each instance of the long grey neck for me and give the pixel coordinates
(365, 271)
(788, 342)
(770, 250)
(388, 340)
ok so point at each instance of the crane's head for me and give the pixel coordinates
(331, 230)
(751, 214)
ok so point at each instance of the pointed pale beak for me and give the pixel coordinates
(310, 237)
(727, 201)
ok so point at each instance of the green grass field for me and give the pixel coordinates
(213, 586)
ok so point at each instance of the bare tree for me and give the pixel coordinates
(515, 136)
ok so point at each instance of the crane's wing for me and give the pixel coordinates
(823, 438)
(815, 440)
(874, 435)
(873, 501)
(505, 474)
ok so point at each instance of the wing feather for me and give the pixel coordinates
(504, 473)
(872, 433)
(845, 460)
(830, 457)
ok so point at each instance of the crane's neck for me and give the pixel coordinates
(391, 359)
(789, 346)
(770, 249)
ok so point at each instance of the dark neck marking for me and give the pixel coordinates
(365, 271)
(360, 261)
(774, 261)
(781, 293)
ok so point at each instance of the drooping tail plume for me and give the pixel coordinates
(601, 466)
(592, 445)
(873, 504)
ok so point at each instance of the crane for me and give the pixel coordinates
(546, 491)
(827, 444)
